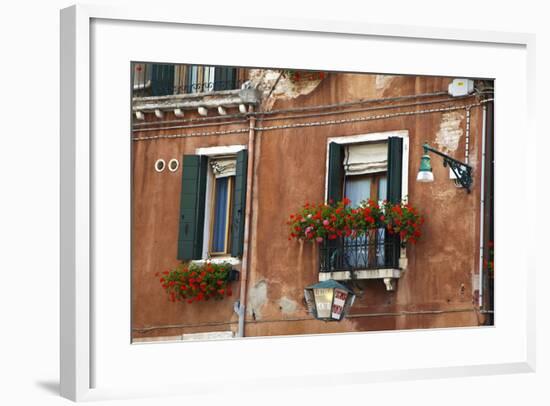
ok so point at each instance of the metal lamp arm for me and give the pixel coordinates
(462, 171)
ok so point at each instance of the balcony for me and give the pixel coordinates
(158, 88)
(376, 255)
(153, 80)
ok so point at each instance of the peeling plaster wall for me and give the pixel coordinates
(257, 298)
(279, 85)
(287, 306)
(450, 131)
(383, 81)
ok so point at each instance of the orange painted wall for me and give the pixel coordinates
(290, 170)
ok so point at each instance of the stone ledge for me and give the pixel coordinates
(190, 101)
(213, 335)
(389, 276)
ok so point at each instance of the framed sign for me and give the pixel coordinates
(110, 55)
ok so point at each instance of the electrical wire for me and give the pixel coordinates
(177, 127)
(314, 124)
(298, 109)
(295, 319)
(322, 114)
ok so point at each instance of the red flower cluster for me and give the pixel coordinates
(196, 282)
(330, 221)
(405, 220)
(297, 75)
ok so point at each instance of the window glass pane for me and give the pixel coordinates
(220, 215)
(383, 188)
(357, 189)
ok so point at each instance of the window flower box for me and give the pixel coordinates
(198, 282)
(366, 242)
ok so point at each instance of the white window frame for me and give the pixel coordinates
(388, 275)
(372, 137)
(212, 152)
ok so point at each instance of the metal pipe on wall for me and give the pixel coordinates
(482, 206)
(241, 311)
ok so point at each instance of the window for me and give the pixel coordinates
(153, 79)
(141, 77)
(365, 177)
(212, 206)
(156, 79)
(362, 168)
(221, 220)
(198, 79)
(366, 251)
(223, 184)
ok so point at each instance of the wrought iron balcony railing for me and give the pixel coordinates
(166, 79)
(375, 250)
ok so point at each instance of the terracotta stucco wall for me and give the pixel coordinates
(290, 170)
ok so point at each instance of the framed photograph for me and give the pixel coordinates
(246, 217)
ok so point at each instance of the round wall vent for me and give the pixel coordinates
(173, 165)
(160, 165)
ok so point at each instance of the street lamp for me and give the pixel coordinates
(328, 300)
(462, 171)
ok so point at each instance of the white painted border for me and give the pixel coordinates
(76, 355)
(372, 137)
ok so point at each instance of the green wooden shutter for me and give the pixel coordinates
(192, 204)
(335, 172)
(395, 178)
(162, 79)
(239, 205)
(395, 168)
(333, 249)
(225, 78)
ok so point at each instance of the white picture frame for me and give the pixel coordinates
(79, 349)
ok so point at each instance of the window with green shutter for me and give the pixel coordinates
(210, 78)
(395, 169)
(226, 206)
(395, 178)
(362, 171)
(192, 206)
(335, 172)
(225, 78)
(162, 79)
(239, 205)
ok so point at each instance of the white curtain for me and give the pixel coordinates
(361, 159)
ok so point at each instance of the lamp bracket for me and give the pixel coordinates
(462, 171)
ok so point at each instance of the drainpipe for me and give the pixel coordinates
(240, 308)
(482, 207)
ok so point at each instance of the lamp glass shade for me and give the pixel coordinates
(425, 176)
(323, 301)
